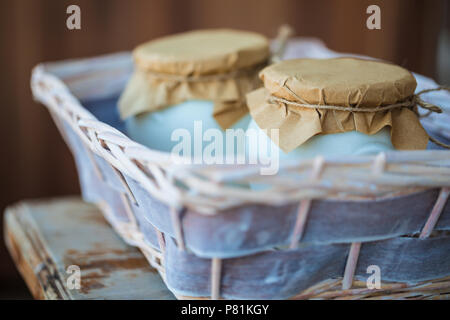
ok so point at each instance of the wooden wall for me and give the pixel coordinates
(36, 163)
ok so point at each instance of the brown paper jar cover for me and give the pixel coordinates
(220, 65)
(347, 82)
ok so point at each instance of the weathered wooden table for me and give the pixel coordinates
(61, 243)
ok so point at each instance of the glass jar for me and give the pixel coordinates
(192, 86)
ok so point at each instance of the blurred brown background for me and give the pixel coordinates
(36, 163)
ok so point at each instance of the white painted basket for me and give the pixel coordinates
(313, 235)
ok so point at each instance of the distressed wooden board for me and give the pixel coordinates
(45, 237)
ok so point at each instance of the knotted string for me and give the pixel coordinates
(413, 101)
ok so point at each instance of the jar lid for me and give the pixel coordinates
(340, 81)
(203, 52)
(305, 97)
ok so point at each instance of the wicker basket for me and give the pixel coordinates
(313, 235)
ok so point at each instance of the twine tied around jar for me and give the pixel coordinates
(413, 101)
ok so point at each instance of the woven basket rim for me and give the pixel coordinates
(418, 169)
(379, 175)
